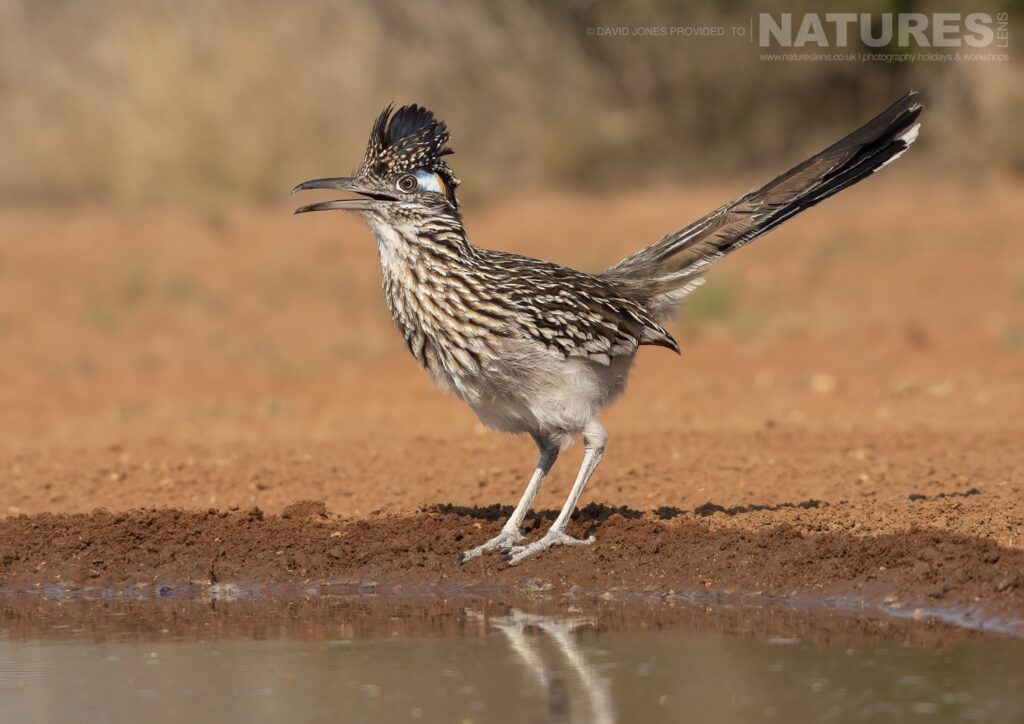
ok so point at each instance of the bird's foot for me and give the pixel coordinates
(504, 541)
(518, 554)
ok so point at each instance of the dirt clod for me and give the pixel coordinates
(305, 509)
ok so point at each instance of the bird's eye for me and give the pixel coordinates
(408, 183)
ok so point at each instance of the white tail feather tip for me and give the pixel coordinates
(908, 138)
(911, 135)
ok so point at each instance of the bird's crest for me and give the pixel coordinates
(408, 139)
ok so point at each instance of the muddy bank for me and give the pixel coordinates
(637, 552)
(325, 614)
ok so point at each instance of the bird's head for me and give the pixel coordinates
(403, 176)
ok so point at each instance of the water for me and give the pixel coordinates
(477, 661)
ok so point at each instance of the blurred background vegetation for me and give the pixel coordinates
(195, 103)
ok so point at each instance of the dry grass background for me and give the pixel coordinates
(201, 103)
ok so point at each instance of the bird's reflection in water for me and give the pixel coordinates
(530, 637)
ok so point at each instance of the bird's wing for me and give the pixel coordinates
(576, 314)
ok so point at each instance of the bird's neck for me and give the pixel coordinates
(406, 247)
(422, 266)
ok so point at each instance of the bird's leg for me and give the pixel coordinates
(510, 534)
(594, 440)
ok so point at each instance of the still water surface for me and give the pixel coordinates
(512, 666)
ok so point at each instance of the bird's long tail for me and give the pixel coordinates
(665, 272)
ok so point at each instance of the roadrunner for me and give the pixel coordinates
(538, 348)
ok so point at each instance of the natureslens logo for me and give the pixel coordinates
(880, 30)
(848, 37)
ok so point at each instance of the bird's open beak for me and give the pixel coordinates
(373, 199)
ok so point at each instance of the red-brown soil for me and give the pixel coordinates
(848, 401)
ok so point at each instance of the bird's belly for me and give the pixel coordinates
(544, 394)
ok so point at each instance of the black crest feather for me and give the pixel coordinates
(410, 120)
(408, 139)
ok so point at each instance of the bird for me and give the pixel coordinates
(535, 347)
